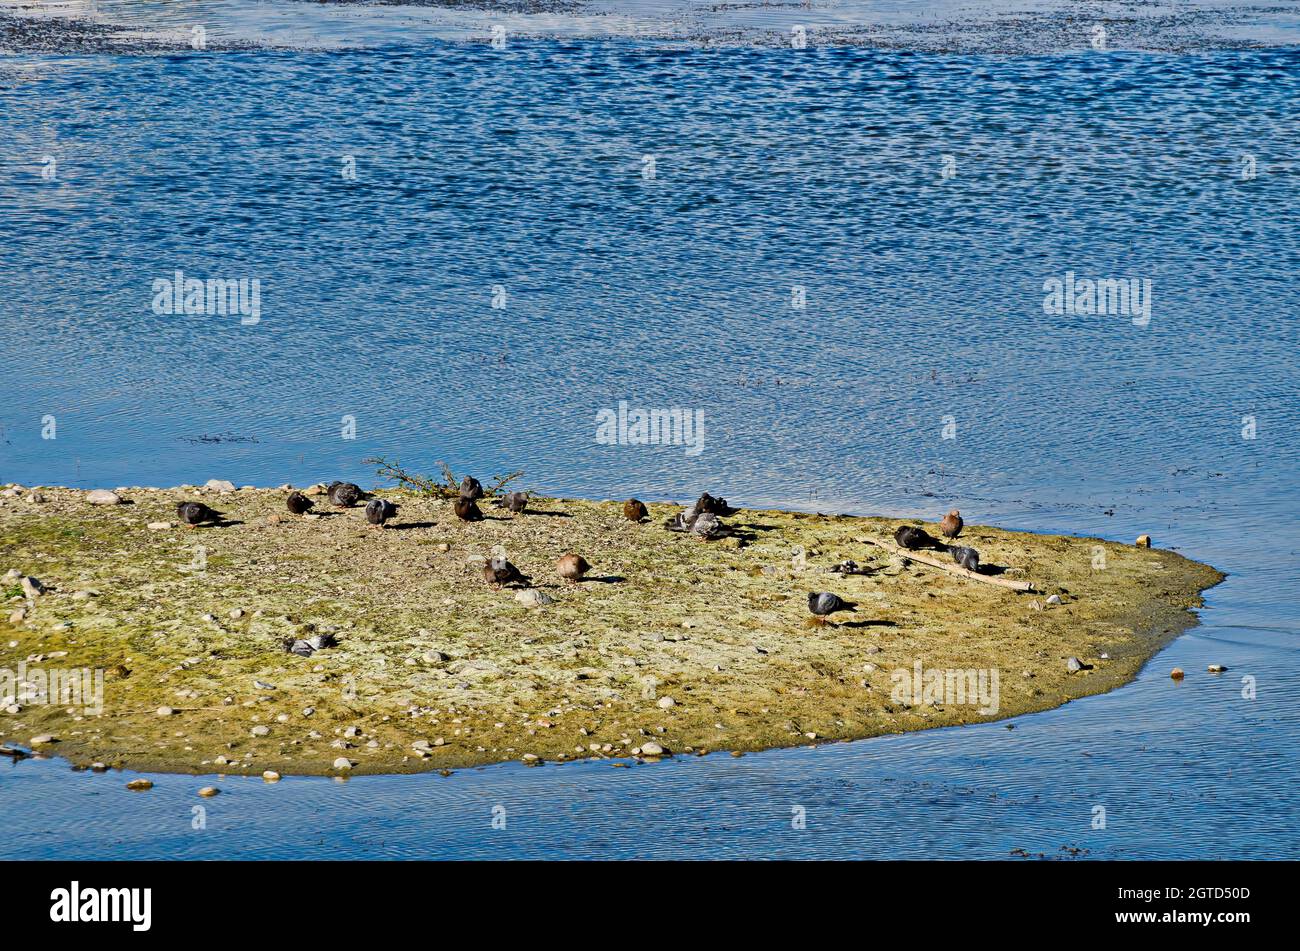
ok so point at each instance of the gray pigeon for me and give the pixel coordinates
(968, 558)
(378, 511)
(708, 527)
(516, 502)
(321, 641)
(344, 494)
(471, 488)
(300, 647)
(822, 603)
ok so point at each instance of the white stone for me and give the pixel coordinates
(219, 485)
(103, 497)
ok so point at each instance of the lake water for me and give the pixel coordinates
(522, 175)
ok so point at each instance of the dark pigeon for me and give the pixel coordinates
(196, 513)
(516, 502)
(822, 603)
(714, 506)
(914, 539)
(467, 510)
(634, 510)
(378, 511)
(298, 503)
(471, 488)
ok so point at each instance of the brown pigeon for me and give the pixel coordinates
(467, 510)
(634, 510)
(572, 567)
(298, 503)
(951, 525)
(499, 571)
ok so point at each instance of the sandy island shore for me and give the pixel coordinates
(435, 669)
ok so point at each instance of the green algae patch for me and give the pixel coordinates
(692, 646)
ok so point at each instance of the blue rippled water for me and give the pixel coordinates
(818, 168)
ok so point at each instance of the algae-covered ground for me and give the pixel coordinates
(694, 646)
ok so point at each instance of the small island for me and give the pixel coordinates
(670, 645)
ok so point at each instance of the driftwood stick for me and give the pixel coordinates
(953, 569)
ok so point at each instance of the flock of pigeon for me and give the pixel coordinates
(703, 520)
(911, 538)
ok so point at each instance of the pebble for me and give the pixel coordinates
(1176, 673)
(532, 598)
(32, 587)
(103, 497)
(207, 792)
(43, 740)
(1216, 668)
(261, 730)
(139, 784)
(343, 763)
(271, 776)
(164, 711)
(219, 485)
(652, 749)
(308, 711)
(236, 614)
(532, 758)
(666, 702)
(1054, 599)
(1074, 665)
(17, 617)
(434, 657)
(1143, 541)
(159, 526)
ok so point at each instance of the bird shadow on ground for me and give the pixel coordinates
(605, 579)
(529, 512)
(222, 523)
(865, 624)
(403, 526)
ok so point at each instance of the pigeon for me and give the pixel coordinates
(298, 503)
(467, 510)
(297, 646)
(682, 521)
(914, 539)
(850, 567)
(634, 510)
(708, 527)
(471, 488)
(572, 567)
(196, 513)
(309, 646)
(378, 511)
(707, 503)
(321, 641)
(344, 494)
(968, 558)
(516, 502)
(951, 525)
(499, 572)
(822, 603)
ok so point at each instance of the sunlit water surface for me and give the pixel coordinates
(526, 168)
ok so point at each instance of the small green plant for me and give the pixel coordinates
(445, 487)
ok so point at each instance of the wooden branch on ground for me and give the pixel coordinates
(952, 569)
